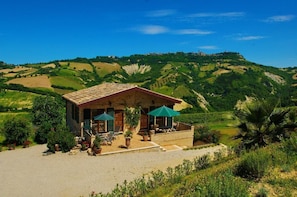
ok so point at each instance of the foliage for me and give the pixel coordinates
(261, 123)
(16, 130)
(254, 165)
(97, 142)
(221, 184)
(217, 178)
(128, 134)
(204, 134)
(42, 132)
(221, 78)
(47, 109)
(132, 116)
(290, 145)
(63, 137)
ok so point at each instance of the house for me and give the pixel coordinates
(83, 105)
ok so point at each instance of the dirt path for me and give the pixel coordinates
(25, 172)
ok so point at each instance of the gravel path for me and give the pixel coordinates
(25, 172)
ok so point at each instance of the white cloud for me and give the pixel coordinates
(279, 18)
(152, 29)
(193, 32)
(208, 47)
(247, 38)
(160, 13)
(223, 14)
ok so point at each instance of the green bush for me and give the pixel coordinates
(42, 132)
(202, 162)
(254, 165)
(63, 137)
(16, 130)
(204, 134)
(290, 145)
(221, 184)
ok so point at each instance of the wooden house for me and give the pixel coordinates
(83, 105)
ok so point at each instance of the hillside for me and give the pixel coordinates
(213, 82)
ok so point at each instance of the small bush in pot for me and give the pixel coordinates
(97, 145)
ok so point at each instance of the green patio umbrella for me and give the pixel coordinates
(103, 116)
(164, 112)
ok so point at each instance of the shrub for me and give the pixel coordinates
(254, 165)
(262, 192)
(42, 132)
(63, 137)
(202, 162)
(16, 130)
(222, 184)
(203, 133)
(290, 145)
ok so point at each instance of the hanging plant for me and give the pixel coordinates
(132, 116)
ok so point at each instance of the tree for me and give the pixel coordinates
(47, 109)
(42, 132)
(261, 123)
(62, 137)
(16, 130)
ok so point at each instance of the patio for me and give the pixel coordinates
(137, 144)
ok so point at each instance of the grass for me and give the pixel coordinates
(67, 82)
(17, 99)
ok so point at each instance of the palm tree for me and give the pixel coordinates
(261, 123)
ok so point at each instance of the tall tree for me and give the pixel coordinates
(47, 110)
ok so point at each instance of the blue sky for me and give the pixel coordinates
(32, 31)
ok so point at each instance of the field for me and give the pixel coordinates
(80, 66)
(103, 69)
(72, 82)
(33, 82)
(17, 99)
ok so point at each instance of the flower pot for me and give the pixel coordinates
(97, 150)
(128, 141)
(57, 148)
(11, 146)
(145, 137)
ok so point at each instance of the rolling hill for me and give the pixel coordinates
(214, 82)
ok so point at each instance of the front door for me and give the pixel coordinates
(144, 119)
(119, 119)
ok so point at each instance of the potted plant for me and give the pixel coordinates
(132, 116)
(26, 143)
(145, 136)
(97, 145)
(128, 135)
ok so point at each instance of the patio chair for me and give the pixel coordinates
(107, 139)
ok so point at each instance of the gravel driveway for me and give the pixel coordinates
(26, 172)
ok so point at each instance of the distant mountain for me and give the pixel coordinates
(213, 82)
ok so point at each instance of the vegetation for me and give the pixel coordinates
(132, 116)
(261, 123)
(221, 79)
(62, 138)
(16, 130)
(47, 110)
(255, 173)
